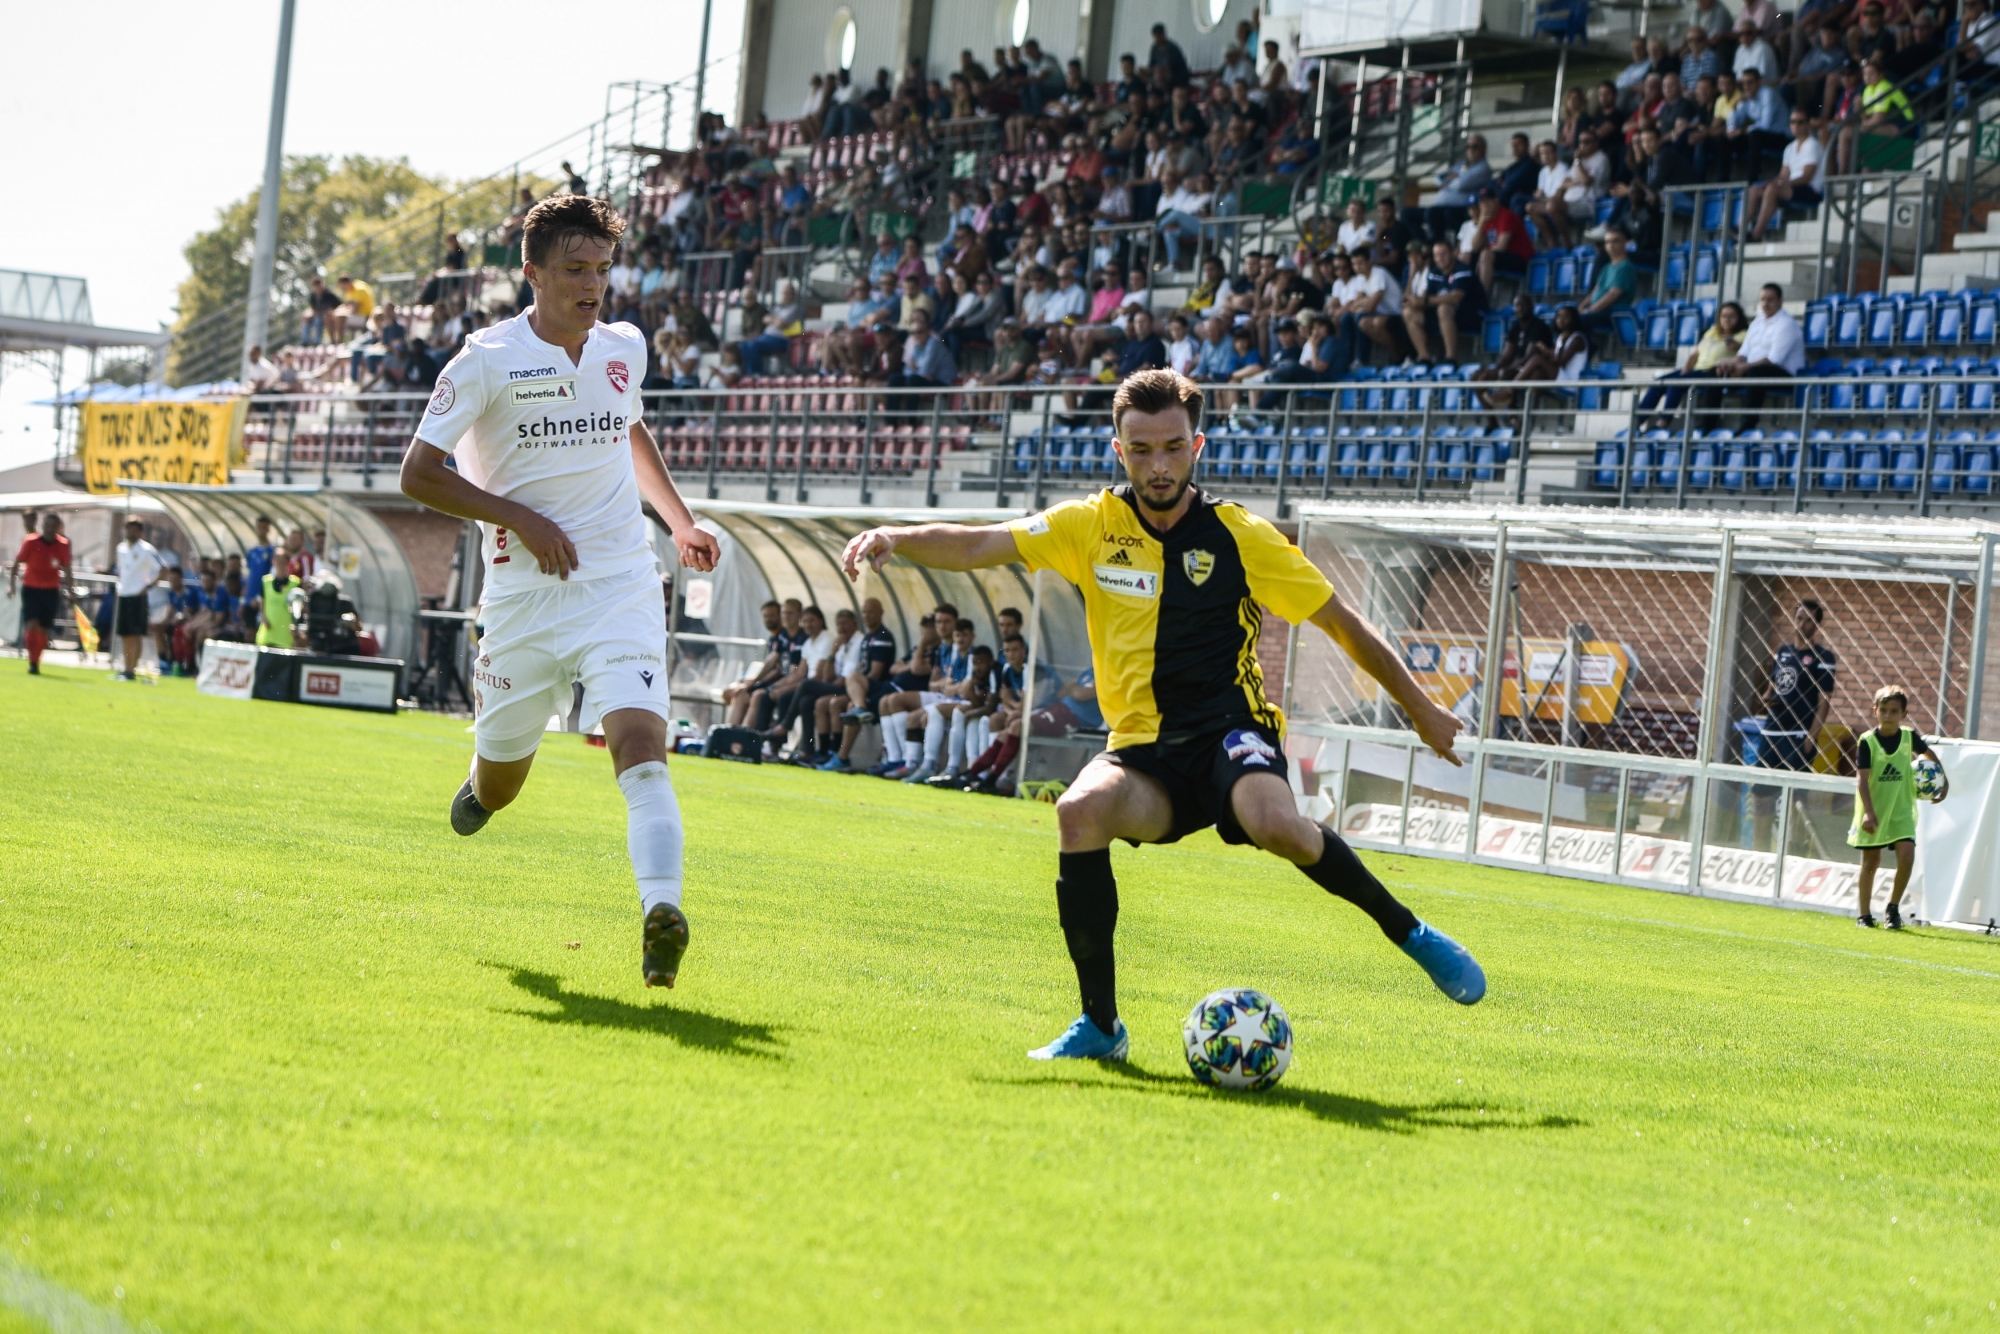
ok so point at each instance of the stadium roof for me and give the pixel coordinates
(42, 312)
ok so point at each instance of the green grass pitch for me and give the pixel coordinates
(279, 1052)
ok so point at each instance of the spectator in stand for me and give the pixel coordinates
(1378, 303)
(1179, 215)
(1576, 189)
(259, 374)
(1754, 53)
(41, 577)
(1182, 350)
(910, 263)
(1774, 348)
(978, 311)
(320, 304)
(1458, 190)
(1166, 54)
(1357, 229)
(1871, 37)
(777, 651)
(1451, 308)
(1979, 45)
(1617, 284)
(1885, 115)
(357, 303)
(1717, 345)
(1516, 185)
(1501, 242)
(1712, 19)
(927, 362)
(1633, 76)
(914, 299)
(1756, 127)
(1215, 361)
(1530, 346)
(1700, 61)
(139, 567)
(1816, 81)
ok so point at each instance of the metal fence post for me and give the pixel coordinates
(714, 444)
(867, 441)
(1982, 616)
(1944, 659)
(1285, 447)
(930, 475)
(1490, 663)
(1041, 453)
(1521, 462)
(1332, 441)
(1713, 696)
(771, 453)
(1000, 461)
(805, 440)
(1028, 681)
(1423, 439)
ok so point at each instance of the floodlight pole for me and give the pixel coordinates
(700, 71)
(257, 311)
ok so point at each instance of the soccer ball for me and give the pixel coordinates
(1930, 777)
(1238, 1039)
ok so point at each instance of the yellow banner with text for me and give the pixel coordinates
(159, 442)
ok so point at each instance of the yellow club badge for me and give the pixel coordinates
(1199, 565)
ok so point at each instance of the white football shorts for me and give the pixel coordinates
(610, 634)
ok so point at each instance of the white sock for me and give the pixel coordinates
(955, 753)
(892, 737)
(934, 733)
(981, 738)
(653, 833)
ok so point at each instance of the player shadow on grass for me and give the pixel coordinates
(690, 1028)
(1361, 1113)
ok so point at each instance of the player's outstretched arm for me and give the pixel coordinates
(698, 548)
(426, 480)
(1362, 642)
(940, 546)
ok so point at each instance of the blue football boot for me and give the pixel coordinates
(1457, 974)
(1085, 1041)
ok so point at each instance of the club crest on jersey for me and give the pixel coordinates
(619, 376)
(1249, 748)
(1199, 565)
(443, 396)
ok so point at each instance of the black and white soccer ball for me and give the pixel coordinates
(1238, 1039)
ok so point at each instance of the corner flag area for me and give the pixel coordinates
(277, 1050)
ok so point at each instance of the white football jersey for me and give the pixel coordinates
(525, 424)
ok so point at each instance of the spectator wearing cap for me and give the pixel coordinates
(1501, 242)
(1114, 200)
(1753, 52)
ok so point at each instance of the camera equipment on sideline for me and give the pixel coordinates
(331, 625)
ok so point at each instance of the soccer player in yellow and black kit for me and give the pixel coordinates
(1173, 583)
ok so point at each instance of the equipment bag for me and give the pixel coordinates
(735, 743)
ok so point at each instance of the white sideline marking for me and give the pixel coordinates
(63, 1311)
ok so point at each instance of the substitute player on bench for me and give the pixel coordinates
(542, 415)
(1173, 582)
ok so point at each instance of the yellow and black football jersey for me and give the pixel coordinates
(1174, 616)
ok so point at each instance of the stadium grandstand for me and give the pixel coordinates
(1635, 257)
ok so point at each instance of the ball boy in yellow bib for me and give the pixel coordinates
(1885, 806)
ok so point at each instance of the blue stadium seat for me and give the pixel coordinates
(1688, 325)
(1819, 324)
(1978, 461)
(1610, 462)
(1562, 281)
(1906, 465)
(1493, 333)
(1660, 329)
(1982, 321)
(1847, 326)
(1917, 318)
(1346, 454)
(1538, 275)
(1948, 325)
(1881, 324)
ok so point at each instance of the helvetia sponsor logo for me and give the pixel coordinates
(543, 391)
(1130, 582)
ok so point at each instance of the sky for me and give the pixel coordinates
(145, 119)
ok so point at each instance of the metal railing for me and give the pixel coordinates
(1892, 438)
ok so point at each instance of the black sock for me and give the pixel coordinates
(1087, 901)
(1339, 872)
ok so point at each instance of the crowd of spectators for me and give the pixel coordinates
(951, 710)
(1049, 278)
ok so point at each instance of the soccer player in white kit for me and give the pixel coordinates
(541, 415)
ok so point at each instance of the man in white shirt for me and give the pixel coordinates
(259, 372)
(1797, 180)
(139, 568)
(541, 415)
(1753, 52)
(1377, 306)
(1774, 348)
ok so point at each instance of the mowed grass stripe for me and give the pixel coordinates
(436, 1053)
